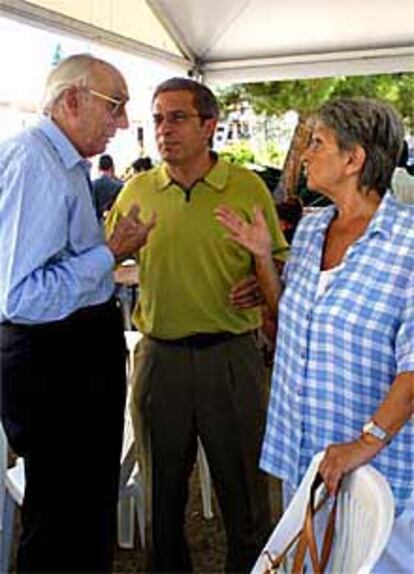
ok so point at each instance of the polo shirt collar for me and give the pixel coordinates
(216, 178)
(62, 144)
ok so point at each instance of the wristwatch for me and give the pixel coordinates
(376, 431)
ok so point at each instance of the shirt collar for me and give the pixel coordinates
(216, 178)
(382, 222)
(385, 216)
(62, 144)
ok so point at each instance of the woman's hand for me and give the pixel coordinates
(340, 459)
(254, 236)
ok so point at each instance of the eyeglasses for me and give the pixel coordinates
(173, 118)
(118, 106)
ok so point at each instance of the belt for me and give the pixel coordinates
(200, 340)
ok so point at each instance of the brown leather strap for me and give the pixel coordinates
(307, 539)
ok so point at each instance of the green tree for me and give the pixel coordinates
(304, 96)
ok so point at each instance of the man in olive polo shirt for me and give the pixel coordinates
(198, 371)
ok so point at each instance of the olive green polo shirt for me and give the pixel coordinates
(188, 266)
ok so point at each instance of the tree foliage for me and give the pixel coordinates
(304, 96)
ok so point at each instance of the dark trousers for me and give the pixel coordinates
(215, 390)
(63, 395)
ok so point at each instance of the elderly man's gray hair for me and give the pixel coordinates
(73, 71)
(376, 127)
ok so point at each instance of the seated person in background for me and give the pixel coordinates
(402, 182)
(106, 187)
(290, 212)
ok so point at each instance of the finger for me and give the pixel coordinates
(243, 292)
(259, 218)
(151, 223)
(153, 219)
(248, 281)
(246, 299)
(245, 304)
(133, 212)
(228, 218)
(248, 284)
(228, 222)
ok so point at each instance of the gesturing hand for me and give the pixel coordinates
(130, 234)
(254, 236)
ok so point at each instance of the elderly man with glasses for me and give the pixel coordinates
(62, 350)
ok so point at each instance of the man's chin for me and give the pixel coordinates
(171, 158)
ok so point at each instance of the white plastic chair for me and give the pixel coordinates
(364, 520)
(131, 492)
(12, 485)
(205, 482)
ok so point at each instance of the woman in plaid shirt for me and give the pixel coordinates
(344, 366)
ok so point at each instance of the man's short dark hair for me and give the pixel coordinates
(142, 164)
(105, 162)
(205, 101)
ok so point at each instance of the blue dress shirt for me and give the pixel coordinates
(53, 259)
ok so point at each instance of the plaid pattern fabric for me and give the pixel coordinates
(338, 354)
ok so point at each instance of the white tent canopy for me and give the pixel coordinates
(242, 40)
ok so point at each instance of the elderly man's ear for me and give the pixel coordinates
(72, 99)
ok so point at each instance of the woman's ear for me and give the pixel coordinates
(356, 158)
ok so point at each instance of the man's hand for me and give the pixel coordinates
(246, 293)
(130, 234)
(342, 458)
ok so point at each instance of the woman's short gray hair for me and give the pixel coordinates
(376, 127)
(73, 71)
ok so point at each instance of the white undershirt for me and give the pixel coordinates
(325, 279)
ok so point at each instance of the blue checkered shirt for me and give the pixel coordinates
(338, 354)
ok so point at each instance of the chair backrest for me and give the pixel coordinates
(365, 516)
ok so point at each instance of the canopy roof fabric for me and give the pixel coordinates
(243, 40)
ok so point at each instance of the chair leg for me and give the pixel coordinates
(6, 536)
(140, 508)
(126, 521)
(205, 482)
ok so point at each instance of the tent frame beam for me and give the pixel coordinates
(52, 21)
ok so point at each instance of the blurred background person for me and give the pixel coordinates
(290, 212)
(106, 187)
(141, 164)
(402, 180)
